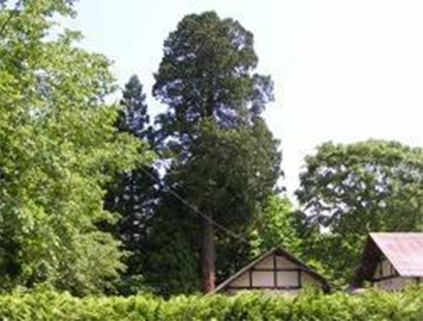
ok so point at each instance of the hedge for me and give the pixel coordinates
(309, 306)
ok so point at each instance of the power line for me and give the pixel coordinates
(176, 195)
(197, 211)
(12, 13)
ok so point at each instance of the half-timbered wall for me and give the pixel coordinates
(385, 277)
(274, 273)
(384, 269)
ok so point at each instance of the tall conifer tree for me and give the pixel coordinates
(223, 158)
(133, 193)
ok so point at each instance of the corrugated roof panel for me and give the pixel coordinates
(403, 250)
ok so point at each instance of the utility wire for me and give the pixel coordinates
(12, 13)
(176, 195)
(197, 211)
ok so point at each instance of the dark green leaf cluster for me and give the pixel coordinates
(207, 72)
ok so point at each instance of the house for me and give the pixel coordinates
(391, 261)
(276, 270)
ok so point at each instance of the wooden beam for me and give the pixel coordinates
(383, 278)
(276, 269)
(263, 288)
(275, 273)
(250, 272)
(300, 281)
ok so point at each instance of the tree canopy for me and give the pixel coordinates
(133, 194)
(99, 197)
(58, 147)
(207, 72)
(223, 158)
(350, 190)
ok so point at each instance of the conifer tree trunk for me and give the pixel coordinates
(208, 256)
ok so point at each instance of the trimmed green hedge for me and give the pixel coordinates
(310, 306)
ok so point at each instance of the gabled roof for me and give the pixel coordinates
(403, 250)
(274, 251)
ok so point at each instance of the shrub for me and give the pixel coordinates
(309, 306)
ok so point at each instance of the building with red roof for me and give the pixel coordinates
(391, 261)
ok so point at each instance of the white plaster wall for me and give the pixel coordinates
(242, 280)
(266, 278)
(281, 263)
(387, 268)
(397, 283)
(288, 278)
(265, 264)
(265, 291)
(384, 268)
(263, 278)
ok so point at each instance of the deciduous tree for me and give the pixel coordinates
(58, 149)
(351, 190)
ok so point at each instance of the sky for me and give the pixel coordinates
(344, 70)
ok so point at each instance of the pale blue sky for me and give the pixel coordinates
(344, 70)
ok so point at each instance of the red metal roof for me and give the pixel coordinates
(403, 250)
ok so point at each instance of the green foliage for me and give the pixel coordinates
(134, 117)
(171, 249)
(133, 194)
(351, 190)
(208, 72)
(276, 226)
(279, 225)
(311, 305)
(224, 160)
(58, 148)
(220, 155)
